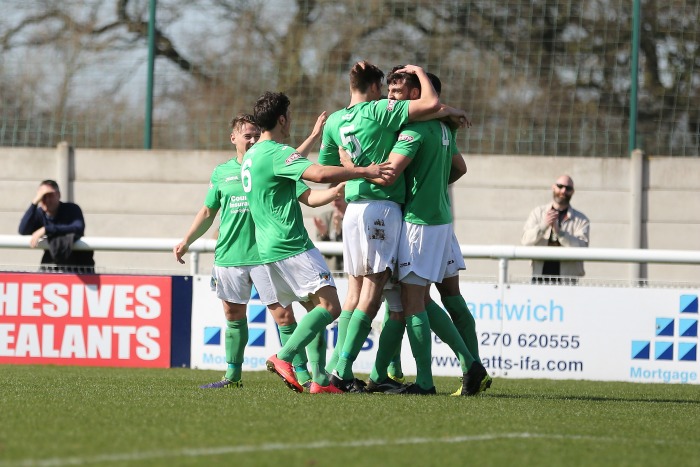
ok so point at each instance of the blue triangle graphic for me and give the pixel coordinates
(256, 337)
(664, 326)
(663, 350)
(689, 304)
(687, 352)
(640, 350)
(254, 294)
(688, 327)
(257, 313)
(212, 335)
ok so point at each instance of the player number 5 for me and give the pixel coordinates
(350, 142)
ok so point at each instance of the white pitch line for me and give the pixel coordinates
(268, 447)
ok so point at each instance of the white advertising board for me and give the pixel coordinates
(524, 331)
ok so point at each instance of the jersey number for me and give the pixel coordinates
(350, 142)
(245, 175)
(445, 135)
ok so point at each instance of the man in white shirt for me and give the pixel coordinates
(557, 224)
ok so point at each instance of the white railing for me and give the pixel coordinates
(502, 253)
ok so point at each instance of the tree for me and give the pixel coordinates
(538, 76)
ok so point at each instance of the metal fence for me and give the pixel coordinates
(501, 254)
(538, 77)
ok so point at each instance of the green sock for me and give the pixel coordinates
(313, 323)
(418, 330)
(235, 340)
(464, 322)
(343, 321)
(358, 329)
(389, 339)
(394, 368)
(299, 360)
(445, 329)
(317, 358)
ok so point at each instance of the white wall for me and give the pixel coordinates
(156, 194)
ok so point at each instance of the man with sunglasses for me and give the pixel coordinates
(557, 224)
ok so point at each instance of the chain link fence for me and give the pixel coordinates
(538, 77)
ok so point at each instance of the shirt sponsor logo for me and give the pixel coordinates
(234, 178)
(407, 138)
(292, 158)
(390, 105)
(348, 116)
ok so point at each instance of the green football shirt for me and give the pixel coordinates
(430, 145)
(235, 245)
(367, 131)
(270, 174)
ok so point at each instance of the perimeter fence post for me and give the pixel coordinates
(502, 272)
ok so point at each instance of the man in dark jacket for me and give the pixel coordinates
(62, 224)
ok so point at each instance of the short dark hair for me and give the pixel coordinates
(241, 119)
(268, 108)
(412, 80)
(435, 81)
(363, 74)
(51, 183)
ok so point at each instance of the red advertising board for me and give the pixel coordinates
(90, 320)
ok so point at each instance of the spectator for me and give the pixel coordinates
(557, 224)
(62, 224)
(329, 228)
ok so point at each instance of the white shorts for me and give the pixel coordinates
(371, 232)
(426, 253)
(455, 260)
(234, 284)
(393, 297)
(293, 279)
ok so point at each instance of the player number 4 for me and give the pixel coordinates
(445, 134)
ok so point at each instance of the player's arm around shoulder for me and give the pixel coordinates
(317, 198)
(331, 174)
(429, 101)
(398, 163)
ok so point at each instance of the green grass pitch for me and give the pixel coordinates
(65, 416)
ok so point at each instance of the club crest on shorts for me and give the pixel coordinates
(324, 275)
